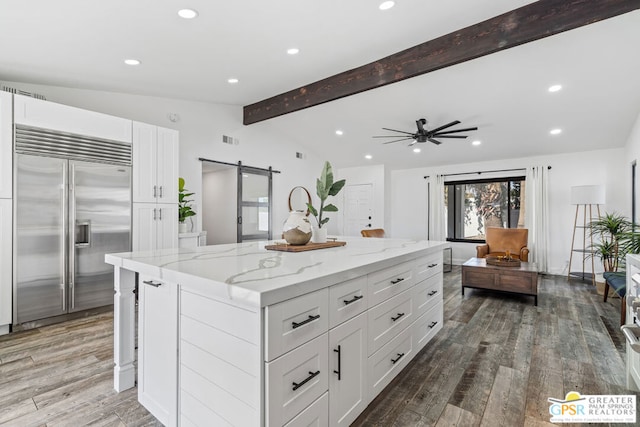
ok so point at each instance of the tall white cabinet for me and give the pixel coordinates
(155, 187)
(6, 184)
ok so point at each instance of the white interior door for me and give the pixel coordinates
(358, 208)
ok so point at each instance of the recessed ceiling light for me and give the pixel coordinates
(188, 13)
(385, 5)
(555, 88)
(132, 62)
(232, 81)
(555, 131)
(339, 132)
(476, 142)
(416, 150)
(293, 51)
(368, 157)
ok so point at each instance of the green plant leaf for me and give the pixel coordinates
(330, 208)
(180, 184)
(321, 190)
(324, 221)
(336, 187)
(313, 210)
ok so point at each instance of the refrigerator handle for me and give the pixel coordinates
(83, 234)
(63, 258)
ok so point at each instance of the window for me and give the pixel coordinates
(473, 205)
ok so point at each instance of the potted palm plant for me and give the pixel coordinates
(325, 187)
(611, 233)
(184, 207)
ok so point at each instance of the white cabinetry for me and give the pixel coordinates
(6, 143)
(155, 226)
(155, 187)
(157, 344)
(155, 164)
(6, 278)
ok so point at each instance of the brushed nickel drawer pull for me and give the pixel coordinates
(311, 318)
(311, 376)
(152, 283)
(354, 299)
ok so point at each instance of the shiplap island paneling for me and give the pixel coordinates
(252, 337)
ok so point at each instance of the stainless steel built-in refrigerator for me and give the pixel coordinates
(72, 205)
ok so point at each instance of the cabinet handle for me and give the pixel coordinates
(352, 300)
(398, 280)
(432, 265)
(155, 191)
(311, 376)
(154, 214)
(311, 318)
(432, 293)
(339, 368)
(397, 317)
(432, 324)
(398, 358)
(152, 283)
(160, 191)
(160, 215)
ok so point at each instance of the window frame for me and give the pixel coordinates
(450, 212)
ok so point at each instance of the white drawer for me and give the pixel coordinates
(295, 380)
(428, 266)
(391, 281)
(384, 365)
(427, 294)
(386, 320)
(316, 415)
(427, 326)
(296, 321)
(347, 300)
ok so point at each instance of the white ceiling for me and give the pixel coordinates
(82, 44)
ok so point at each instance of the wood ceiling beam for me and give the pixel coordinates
(532, 22)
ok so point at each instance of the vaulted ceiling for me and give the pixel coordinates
(82, 44)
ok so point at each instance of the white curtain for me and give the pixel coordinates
(537, 215)
(436, 208)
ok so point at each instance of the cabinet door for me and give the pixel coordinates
(144, 226)
(6, 143)
(167, 166)
(145, 188)
(348, 392)
(158, 348)
(5, 263)
(167, 226)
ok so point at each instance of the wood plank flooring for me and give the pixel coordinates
(495, 362)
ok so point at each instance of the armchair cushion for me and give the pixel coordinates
(500, 240)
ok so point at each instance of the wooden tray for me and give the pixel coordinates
(500, 262)
(285, 247)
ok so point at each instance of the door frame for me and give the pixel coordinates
(248, 170)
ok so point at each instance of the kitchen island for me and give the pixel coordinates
(240, 335)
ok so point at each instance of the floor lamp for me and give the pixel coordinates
(585, 197)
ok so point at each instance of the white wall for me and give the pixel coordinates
(201, 127)
(374, 175)
(219, 201)
(608, 167)
(632, 148)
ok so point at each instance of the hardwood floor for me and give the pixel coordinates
(495, 362)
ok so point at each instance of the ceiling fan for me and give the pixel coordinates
(424, 135)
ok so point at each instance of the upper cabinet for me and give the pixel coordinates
(155, 164)
(6, 138)
(49, 115)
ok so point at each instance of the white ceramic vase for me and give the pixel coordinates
(297, 228)
(319, 235)
(182, 227)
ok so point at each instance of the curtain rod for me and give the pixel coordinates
(239, 164)
(481, 172)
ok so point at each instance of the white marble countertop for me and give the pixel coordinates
(250, 275)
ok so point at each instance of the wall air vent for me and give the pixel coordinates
(230, 140)
(21, 92)
(299, 155)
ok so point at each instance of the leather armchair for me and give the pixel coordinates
(500, 240)
(372, 232)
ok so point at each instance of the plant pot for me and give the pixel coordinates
(600, 289)
(297, 228)
(182, 227)
(319, 235)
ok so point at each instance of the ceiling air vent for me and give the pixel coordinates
(21, 92)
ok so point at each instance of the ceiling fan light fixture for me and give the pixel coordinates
(386, 5)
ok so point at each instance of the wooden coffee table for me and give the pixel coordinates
(521, 280)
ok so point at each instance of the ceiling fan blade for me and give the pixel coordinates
(397, 140)
(434, 141)
(401, 131)
(449, 136)
(448, 125)
(456, 131)
(386, 136)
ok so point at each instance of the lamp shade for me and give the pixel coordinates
(587, 195)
